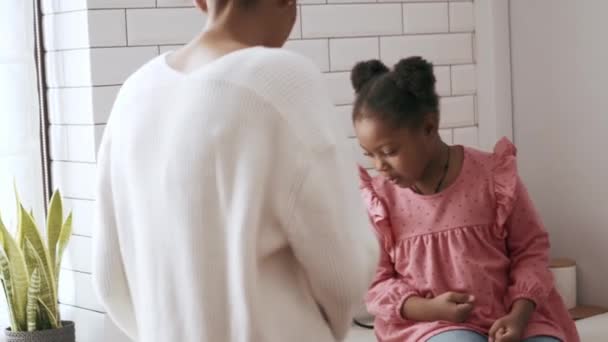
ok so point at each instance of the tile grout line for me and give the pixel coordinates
(449, 16)
(391, 35)
(126, 29)
(402, 18)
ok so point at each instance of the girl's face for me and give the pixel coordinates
(399, 154)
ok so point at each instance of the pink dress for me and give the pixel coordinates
(480, 236)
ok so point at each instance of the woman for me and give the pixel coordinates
(227, 207)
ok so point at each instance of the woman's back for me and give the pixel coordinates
(217, 220)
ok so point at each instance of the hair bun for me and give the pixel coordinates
(415, 75)
(364, 72)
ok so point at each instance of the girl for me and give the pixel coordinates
(223, 193)
(464, 254)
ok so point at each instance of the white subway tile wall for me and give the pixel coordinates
(462, 17)
(173, 3)
(74, 179)
(340, 90)
(315, 49)
(467, 136)
(163, 25)
(93, 45)
(78, 255)
(464, 80)
(425, 18)
(444, 80)
(458, 111)
(96, 4)
(78, 291)
(81, 106)
(83, 218)
(64, 30)
(112, 66)
(83, 29)
(441, 49)
(107, 28)
(351, 20)
(73, 142)
(345, 53)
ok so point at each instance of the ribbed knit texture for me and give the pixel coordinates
(228, 207)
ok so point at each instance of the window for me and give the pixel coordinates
(20, 152)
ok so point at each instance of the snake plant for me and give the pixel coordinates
(30, 267)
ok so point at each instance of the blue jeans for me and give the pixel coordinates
(471, 336)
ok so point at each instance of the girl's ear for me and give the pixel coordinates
(431, 124)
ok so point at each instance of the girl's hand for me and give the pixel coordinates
(511, 327)
(449, 306)
(507, 329)
(453, 306)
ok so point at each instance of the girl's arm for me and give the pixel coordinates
(528, 248)
(389, 292)
(392, 299)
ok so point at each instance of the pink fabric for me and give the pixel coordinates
(481, 236)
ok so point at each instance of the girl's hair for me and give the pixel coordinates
(402, 96)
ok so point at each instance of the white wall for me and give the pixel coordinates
(94, 45)
(560, 84)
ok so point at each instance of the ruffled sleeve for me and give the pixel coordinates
(376, 209)
(389, 290)
(518, 222)
(505, 182)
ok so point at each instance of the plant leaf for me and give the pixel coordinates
(64, 239)
(32, 301)
(49, 313)
(31, 233)
(18, 279)
(7, 285)
(30, 259)
(54, 225)
(46, 293)
(18, 234)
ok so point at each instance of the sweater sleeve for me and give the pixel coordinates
(323, 214)
(109, 279)
(327, 225)
(331, 238)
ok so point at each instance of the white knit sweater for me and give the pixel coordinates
(228, 206)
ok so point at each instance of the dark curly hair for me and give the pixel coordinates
(402, 96)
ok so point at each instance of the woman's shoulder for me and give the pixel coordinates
(292, 85)
(281, 77)
(272, 64)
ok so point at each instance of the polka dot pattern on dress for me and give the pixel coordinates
(466, 239)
